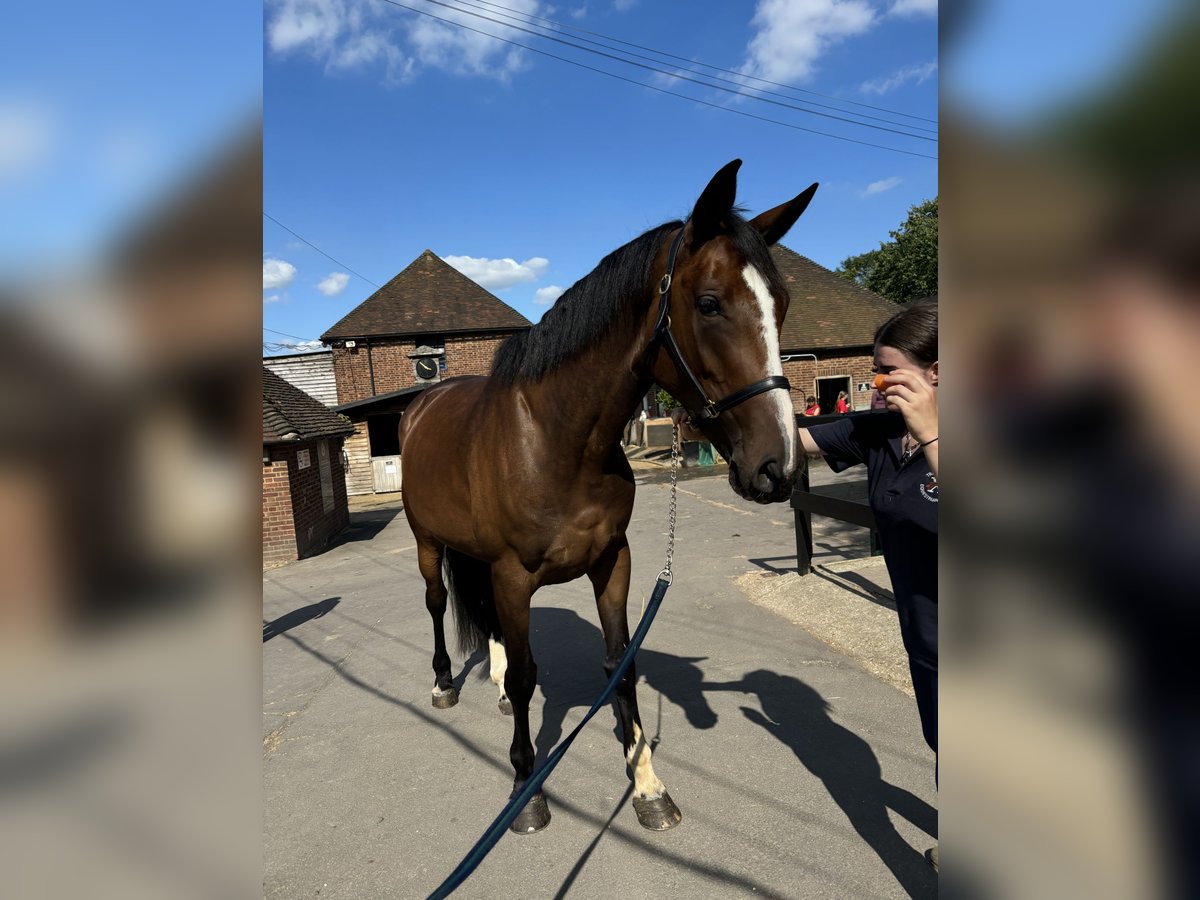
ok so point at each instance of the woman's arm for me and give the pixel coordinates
(809, 445)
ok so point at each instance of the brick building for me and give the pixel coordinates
(428, 323)
(828, 336)
(304, 486)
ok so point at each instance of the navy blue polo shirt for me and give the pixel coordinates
(904, 499)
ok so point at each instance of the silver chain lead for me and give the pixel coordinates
(666, 574)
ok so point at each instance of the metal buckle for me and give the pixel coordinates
(665, 284)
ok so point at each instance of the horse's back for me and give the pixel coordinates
(453, 397)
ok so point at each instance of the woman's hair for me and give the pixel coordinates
(842, 395)
(913, 330)
(810, 400)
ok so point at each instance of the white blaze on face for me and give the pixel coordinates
(770, 333)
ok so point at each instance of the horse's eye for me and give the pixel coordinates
(708, 305)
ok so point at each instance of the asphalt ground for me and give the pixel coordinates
(783, 729)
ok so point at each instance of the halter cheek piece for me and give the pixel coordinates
(662, 331)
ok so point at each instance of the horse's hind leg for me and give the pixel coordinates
(610, 580)
(429, 560)
(499, 666)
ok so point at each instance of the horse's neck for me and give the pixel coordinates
(593, 395)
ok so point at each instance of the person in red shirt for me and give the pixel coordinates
(811, 407)
(842, 406)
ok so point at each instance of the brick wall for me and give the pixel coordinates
(279, 531)
(295, 524)
(465, 355)
(803, 374)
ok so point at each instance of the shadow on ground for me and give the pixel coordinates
(432, 719)
(799, 717)
(569, 651)
(365, 525)
(570, 654)
(296, 617)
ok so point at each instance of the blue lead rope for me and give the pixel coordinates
(534, 783)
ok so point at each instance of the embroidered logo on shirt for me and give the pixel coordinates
(929, 490)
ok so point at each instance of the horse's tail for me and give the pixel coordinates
(469, 583)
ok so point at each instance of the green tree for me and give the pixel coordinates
(906, 267)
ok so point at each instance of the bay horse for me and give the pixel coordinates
(517, 480)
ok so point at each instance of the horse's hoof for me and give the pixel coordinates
(506, 706)
(534, 817)
(444, 699)
(659, 814)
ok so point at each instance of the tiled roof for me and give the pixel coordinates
(428, 297)
(826, 311)
(289, 414)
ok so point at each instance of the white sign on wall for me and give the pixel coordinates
(302, 460)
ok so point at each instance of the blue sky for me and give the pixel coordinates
(105, 108)
(386, 134)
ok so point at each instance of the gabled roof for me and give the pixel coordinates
(428, 297)
(289, 414)
(826, 310)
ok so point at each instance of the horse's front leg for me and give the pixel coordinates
(610, 579)
(512, 608)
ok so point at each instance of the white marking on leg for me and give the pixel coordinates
(770, 333)
(645, 783)
(499, 664)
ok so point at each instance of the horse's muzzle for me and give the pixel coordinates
(770, 483)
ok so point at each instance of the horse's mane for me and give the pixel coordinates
(593, 305)
(584, 313)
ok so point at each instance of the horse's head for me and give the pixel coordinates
(727, 303)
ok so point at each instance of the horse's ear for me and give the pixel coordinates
(774, 223)
(714, 205)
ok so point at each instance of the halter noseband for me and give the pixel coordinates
(662, 331)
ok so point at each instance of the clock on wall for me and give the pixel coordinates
(427, 368)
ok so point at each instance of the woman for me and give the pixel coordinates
(842, 406)
(900, 450)
(811, 407)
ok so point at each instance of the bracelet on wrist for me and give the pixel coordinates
(928, 442)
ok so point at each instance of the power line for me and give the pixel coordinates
(319, 250)
(789, 87)
(285, 334)
(677, 75)
(694, 62)
(660, 90)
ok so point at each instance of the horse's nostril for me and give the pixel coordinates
(769, 477)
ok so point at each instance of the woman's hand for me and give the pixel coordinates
(909, 394)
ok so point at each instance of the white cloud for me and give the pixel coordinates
(334, 284)
(914, 8)
(498, 274)
(917, 74)
(623, 5)
(791, 35)
(346, 35)
(878, 187)
(302, 346)
(26, 135)
(544, 296)
(438, 45)
(274, 298)
(277, 274)
(579, 12)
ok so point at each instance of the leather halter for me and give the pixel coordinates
(662, 331)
